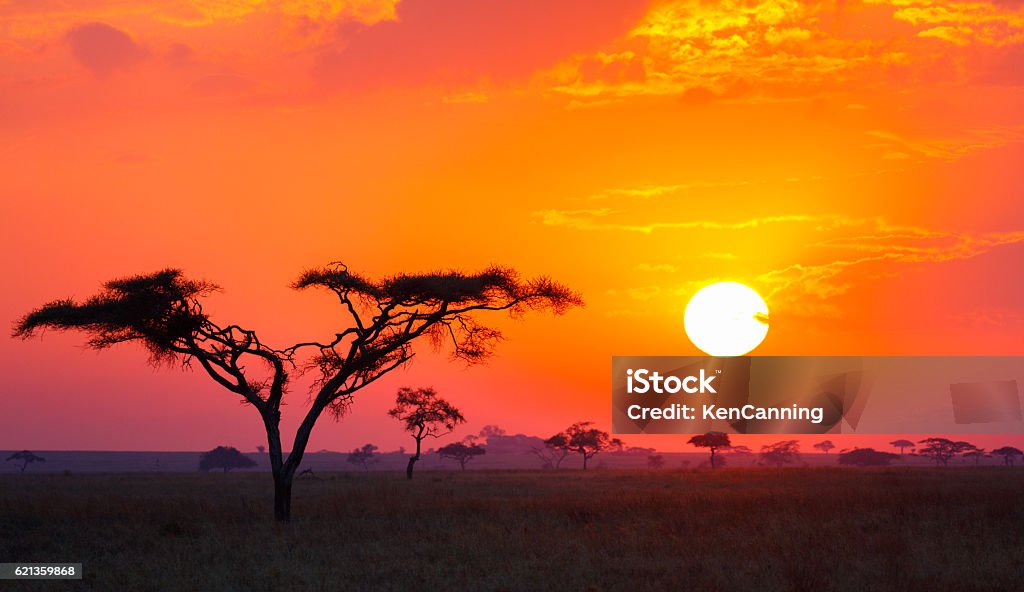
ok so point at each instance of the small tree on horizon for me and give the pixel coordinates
(902, 445)
(225, 458)
(655, 462)
(553, 451)
(713, 441)
(865, 457)
(1007, 452)
(363, 456)
(942, 450)
(585, 440)
(381, 321)
(424, 415)
(491, 430)
(780, 453)
(25, 457)
(461, 452)
(976, 453)
(825, 446)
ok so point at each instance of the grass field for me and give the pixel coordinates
(799, 529)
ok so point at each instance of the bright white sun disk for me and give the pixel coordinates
(726, 319)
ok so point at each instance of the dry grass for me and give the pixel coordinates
(809, 529)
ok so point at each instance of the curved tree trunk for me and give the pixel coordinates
(413, 459)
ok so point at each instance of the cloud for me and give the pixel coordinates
(643, 293)
(455, 42)
(998, 317)
(594, 219)
(798, 285)
(196, 13)
(104, 49)
(656, 267)
(756, 49)
(836, 254)
(952, 147)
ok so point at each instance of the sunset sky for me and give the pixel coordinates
(857, 163)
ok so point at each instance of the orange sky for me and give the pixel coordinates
(858, 163)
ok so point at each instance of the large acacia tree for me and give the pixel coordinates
(380, 321)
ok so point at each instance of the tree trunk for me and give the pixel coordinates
(283, 497)
(413, 459)
(282, 474)
(712, 458)
(584, 461)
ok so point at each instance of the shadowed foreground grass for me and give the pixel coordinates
(802, 529)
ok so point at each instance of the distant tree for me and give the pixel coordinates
(713, 441)
(640, 450)
(902, 445)
(491, 430)
(866, 457)
(553, 452)
(975, 453)
(225, 458)
(655, 462)
(25, 457)
(1007, 452)
(382, 320)
(780, 453)
(587, 441)
(261, 449)
(461, 452)
(424, 415)
(739, 453)
(941, 450)
(363, 456)
(825, 446)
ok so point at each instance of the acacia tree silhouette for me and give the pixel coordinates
(25, 457)
(461, 452)
(424, 415)
(942, 450)
(381, 320)
(714, 441)
(1007, 452)
(583, 438)
(364, 456)
(825, 446)
(225, 458)
(902, 445)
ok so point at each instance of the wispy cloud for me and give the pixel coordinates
(595, 219)
(881, 256)
(948, 148)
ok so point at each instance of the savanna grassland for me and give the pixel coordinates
(743, 529)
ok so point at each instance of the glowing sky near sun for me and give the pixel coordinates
(856, 163)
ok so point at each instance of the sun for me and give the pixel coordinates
(726, 319)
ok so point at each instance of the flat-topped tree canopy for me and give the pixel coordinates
(160, 310)
(493, 288)
(387, 314)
